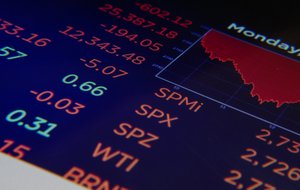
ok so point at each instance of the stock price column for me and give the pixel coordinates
(89, 107)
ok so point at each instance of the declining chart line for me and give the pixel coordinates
(158, 75)
(257, 67)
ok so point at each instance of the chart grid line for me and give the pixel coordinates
(212, 99)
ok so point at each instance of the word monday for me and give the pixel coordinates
(262, 38)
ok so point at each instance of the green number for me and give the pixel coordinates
(98, 91)
(87, 86)
(46, 133)
(69, 79)
(6, 51)
(36, 124)
(15, 116)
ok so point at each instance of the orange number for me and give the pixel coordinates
(270, 162)
(248, 157)
(269, 187)
(280, 170)
(266, 133)
(284, 141)
(294, 174)
(295, 148)
(18, 152)
(8, 143)
(232, 179)
(122, 73)
(257, 183)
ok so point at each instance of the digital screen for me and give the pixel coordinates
(149, 95)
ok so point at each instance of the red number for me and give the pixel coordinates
(65, 32)
(163, 14)
(116, 11)
(14, 31)
(5, 24)
(149, 24)
(63, 104)
(78, 33)
(75, 109)
(266, 133)
(113, 28)
(172, 35)
(103, 45)
(154, 10)
(145, 7)
(128, 56)
(146, 43)
(93, 41)
(138, 60)
(106, 8)
(8, 143)
(186, 23)
(122, 73)
(177, 20)
(121, 32)
(108, 70)
(42, 42)
(113, 50)
(21, 151)
(156, 46)
(41, 97)
(93, 63)
(163, 31)
(139, 21)
(131, 37)
(29, 40)
(130, 17)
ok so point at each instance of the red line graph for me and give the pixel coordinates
(274, 78)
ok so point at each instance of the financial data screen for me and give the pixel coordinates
(149, 95)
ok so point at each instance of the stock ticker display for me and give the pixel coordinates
(152, 95)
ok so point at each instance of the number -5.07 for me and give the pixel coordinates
(10, 53)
